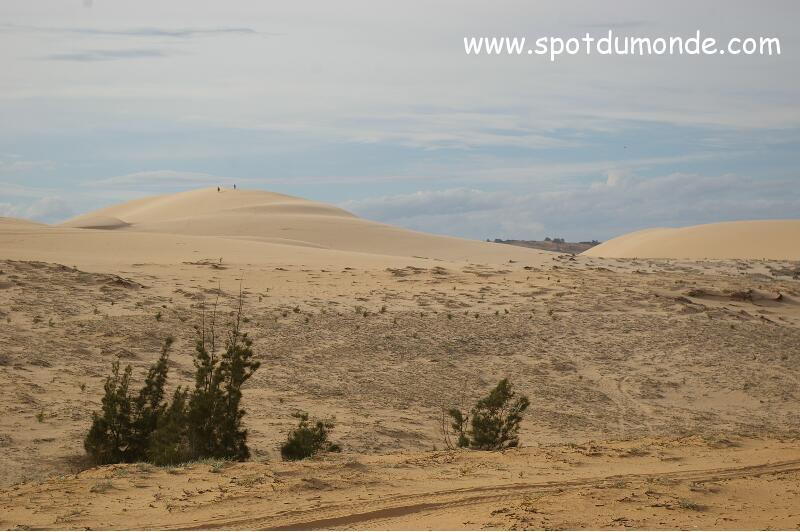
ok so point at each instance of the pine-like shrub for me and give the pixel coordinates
(205, 422)
(169, 443)
(493, 423)
(307, 439)
(110, 435)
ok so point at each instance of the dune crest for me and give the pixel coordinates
(96, 222)
(753, 239)
(203, 202)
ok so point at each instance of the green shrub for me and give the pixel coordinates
(307, 440)
(214, 412)
(109, 437)
(122, 431)
(169, 443)
(459, 425)
(203, 423)
(493, 423)
(149, 405)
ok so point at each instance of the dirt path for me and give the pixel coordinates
(360, 515)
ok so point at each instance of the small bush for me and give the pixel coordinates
(687, 504)
(307, 440)
(493, 423)
(101, 487)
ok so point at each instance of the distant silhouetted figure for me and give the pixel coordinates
(217, 189)
(234, 186)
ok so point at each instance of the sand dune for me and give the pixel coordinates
(757, 239)
(8, 223)
(270, 218)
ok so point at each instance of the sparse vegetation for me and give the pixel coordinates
(307, 439)
(687, 504)
(102, 486)
(492, 424)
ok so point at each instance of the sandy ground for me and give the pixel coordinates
(664, 393)
(654, 484)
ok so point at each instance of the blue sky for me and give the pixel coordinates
(375, 107)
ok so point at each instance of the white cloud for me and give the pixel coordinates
(601, 209)
(22, 166)
(47, 209)
(335, 62)
(130, 32)
(106, 55)
(159, 177)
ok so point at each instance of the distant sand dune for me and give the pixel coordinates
(247, 226)
(757, 239)
(10, 223)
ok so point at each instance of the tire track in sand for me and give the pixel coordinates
(349, 514)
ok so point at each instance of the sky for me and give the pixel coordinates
(374, 106)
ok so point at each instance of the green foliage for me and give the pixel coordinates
(109, 437)
(496, 418)
(307, 440)
(459, 425)
(149, 405)
(203, 423)
(122, 431)
(214, 413)
(169, 443)
(493, 423)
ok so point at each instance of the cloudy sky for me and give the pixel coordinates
(374, 106)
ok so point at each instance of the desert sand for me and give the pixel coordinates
(664, 392)
(754, 239)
